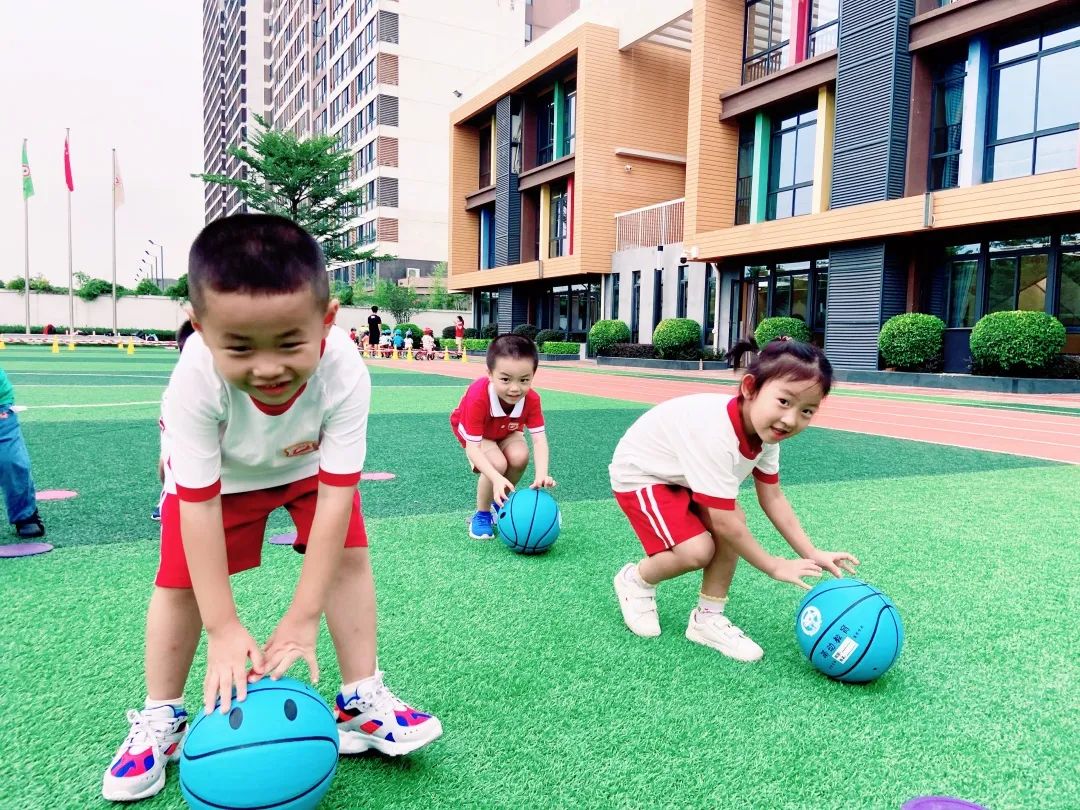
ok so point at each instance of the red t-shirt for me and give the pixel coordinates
(459, 330)
(481, 415)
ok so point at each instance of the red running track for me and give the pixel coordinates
(1053, 437)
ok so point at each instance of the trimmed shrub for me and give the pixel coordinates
(1064, 367)
(544, 335)
(527, 330)
(646, 350)
(674, 336)
(605, 334)
(477, 344)
(489, 331)
(470, 333)
(448, 332)
(417, 332)
(560, 347)
(1016, 343)
(912, 342)
(772, 328)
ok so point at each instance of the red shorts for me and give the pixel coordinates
(662, 516)
(244, 517)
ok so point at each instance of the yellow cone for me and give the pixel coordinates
(2, 345)
(394, 355)
(464, 355)
(446, 353)
(56, 345)
(131, 346)
(120, 345)
(71, 345)
(409, 355)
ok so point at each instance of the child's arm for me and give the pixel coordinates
(229, 643)
(298, 629)
(541, 458)
(777, 508)
(730, 525)
(500, 484)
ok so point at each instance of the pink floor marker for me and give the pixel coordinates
(283, 539)
(24, 549)
(378, 477)
(56, 494)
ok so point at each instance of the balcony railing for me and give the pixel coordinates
(823, 39)
(765, 64)
(654, 225)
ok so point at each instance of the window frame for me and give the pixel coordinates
(777, 55)
(777, 132)
(945, 78)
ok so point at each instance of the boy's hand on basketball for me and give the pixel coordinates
(228, 649)
(293, 639)
(833, 561)
(785, 570)
(501, 489)
(546, 482)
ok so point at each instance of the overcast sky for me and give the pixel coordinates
(120, 73)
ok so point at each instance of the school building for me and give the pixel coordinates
(729, 160)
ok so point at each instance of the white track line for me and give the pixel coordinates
(93, 405)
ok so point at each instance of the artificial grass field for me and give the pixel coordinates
(546, 699)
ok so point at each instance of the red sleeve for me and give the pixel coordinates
(474, 415)
(766, 478)
(534, 414)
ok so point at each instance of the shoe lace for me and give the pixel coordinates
(143, 731)
(380, 698)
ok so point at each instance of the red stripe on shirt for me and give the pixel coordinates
(199, 494)
(727, 504)
(339, 479)
(766, 478)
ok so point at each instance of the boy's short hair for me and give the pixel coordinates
(185, 331)
(374, 309)
(516, 347)
(257, 254)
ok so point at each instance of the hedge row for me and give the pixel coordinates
(560, 347)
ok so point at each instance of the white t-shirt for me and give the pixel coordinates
(428, 343)
(219, 439)
(697, 442)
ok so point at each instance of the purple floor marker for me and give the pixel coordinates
(24, 549)
(56, 494)
(378, 477)
(283, 539)
(940, 803)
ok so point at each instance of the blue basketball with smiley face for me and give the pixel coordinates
(279, 748)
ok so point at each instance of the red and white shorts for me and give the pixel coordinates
(662, 516)
(244, 517)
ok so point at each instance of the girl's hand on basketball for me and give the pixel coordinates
(785, 570)
(833, 561)
(547, 482)
(228, 650)
(501, 489)
(293, 639)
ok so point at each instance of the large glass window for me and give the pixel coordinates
(657, 297)
(1069, 287)
(824, 26)
(947, 113)
(796, 289)
(962, 269)
(744, 185)
(545, 130)
(557, 225)
(684, 283)
(791, 166)
(635, 307)
(1034, 112)
(710, 303)
(614, 296)
(485, 157)
(570, 120)
(1018, 281)
(488, 311)
(821, 293)
(768, 37)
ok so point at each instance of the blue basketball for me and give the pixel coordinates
(849, 630)
(279, 749)
(529, 521)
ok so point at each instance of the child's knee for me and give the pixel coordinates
(697, 552)
(517, 455)
(354, 564)
(498, 461)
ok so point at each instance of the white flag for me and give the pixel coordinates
(118, 184)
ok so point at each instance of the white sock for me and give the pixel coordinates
(634, 576)
(711, 604)
(360, 687)
(150, 704)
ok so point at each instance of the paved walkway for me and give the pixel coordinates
(1049, 436)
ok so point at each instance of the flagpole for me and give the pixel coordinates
(71, 279)
(26, 272)
(114, 243)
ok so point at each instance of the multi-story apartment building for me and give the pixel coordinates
(236, 73)
(842, 163)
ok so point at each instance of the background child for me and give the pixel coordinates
(266, 408)
(490, 421)
(408, 340)
(459, 333)
(676, 475)
(428, 344)
(15, 479)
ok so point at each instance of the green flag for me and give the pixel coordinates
(27, 180)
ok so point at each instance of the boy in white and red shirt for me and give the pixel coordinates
(676, 475)
(267, 407)
(490, 423)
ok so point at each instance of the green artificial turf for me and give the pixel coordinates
(546, 698)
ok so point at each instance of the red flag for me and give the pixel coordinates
(67, 163)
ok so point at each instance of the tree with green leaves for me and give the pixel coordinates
(437, 298)
(342, 292)
(147, 287)
(179, 290)
(399, 301)
(304, 180)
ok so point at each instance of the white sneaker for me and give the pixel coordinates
(376, 718)
(638, 605)
(138, 769)
(716, 630)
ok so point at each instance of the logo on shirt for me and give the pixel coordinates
(300, 449)
(513, 426)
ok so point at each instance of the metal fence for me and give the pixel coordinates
(660, 224)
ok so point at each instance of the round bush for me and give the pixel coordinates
(448, 332)
(674, 336)
(1015, 343)
(489, 331)
(526, 330)
(470, 333)
(912, 342)
(604, 335)
(772, 328)
(544, 335)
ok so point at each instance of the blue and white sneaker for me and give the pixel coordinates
(374, 717)
(154, 740)
(480, 527)
(494, 514)
(156, 514)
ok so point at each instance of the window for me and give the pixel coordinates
(795, 289)
(615, 294)
(768, 37)
(557, 225)
(635, 306)
(791, 166)
(1018, 280)
(488, 311)
(947, 112)
(570, 120)
(658, 296)
(824, 26)
(528, 33)
(744, 185)
(1033, 115)
(710, 303)
(680, 302)
(545, 130)
(485, 157)
(516, 157)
